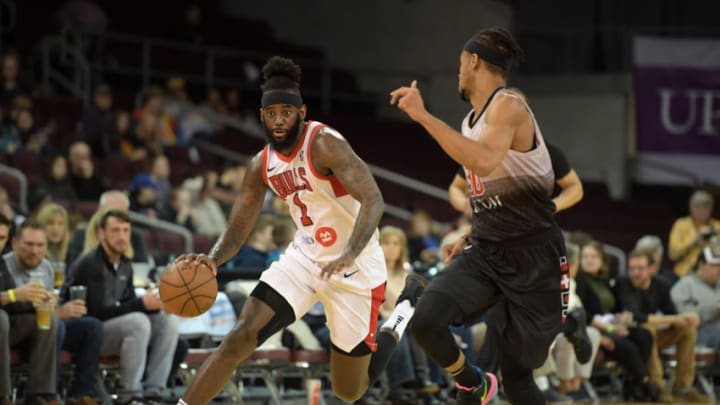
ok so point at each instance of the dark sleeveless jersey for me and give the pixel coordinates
(514, 200)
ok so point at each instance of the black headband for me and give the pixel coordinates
(281, 97)
(488, 54)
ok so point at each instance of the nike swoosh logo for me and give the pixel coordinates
(269, 169)
(346, 274)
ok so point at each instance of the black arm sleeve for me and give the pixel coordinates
(560, 164)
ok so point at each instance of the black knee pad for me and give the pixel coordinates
(284, 314)
(362, 349)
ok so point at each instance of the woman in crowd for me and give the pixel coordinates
(628, 345)
(54, 219)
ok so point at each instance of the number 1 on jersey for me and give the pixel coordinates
(304, 218)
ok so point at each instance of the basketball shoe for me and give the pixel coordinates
(479, 395)
(414, 286)
(575, 332)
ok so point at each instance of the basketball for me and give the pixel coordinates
(188, 289)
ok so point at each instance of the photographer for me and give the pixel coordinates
(689, 235)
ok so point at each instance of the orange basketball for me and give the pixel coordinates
(188, 289)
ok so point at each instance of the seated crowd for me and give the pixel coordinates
(56, 247)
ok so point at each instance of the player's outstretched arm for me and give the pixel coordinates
(245, 212)
(331, 154)
(503, 117)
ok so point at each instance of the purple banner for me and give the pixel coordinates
(678, 110)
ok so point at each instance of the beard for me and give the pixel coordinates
(289, 142)
(117, 248)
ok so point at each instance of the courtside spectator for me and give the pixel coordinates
(647, 297)
(689, 235)
(136, 329)
(699, 292)
(653, 245)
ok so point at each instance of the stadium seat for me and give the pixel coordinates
(30, 163)
(117, 172)
(11, 185)
(202, 243)
(86, 208)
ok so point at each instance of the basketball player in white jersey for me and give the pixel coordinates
(335, 256)
(515, 250)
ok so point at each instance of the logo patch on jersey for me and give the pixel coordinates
(289, 182)
(325, 236)
(308, 240)
(349, 273)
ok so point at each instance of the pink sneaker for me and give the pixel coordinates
(481, 395)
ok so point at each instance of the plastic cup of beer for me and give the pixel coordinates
(78, 292)
(43, 311)
(37, 277)
(59, 270)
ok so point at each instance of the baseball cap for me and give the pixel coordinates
(701, 198)
(143, 180)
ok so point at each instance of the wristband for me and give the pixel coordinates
(610, 328)
(11, 296)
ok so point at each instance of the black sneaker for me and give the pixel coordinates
(481, 395)
(575, 332)
(414, 286)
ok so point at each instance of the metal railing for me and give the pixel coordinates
(72, 40)
(54, 50)
(211, 54)
(22, 180)
(694, 178)
(619, 255)
(388, 175)
(148, 70)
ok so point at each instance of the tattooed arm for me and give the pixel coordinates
(331, 154)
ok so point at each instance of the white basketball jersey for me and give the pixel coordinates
(514, 199)
(323, 211)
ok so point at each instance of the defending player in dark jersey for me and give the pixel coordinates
(515, 249)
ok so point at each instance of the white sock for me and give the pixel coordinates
(542, 382)
(398, 320)
(181, 402)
